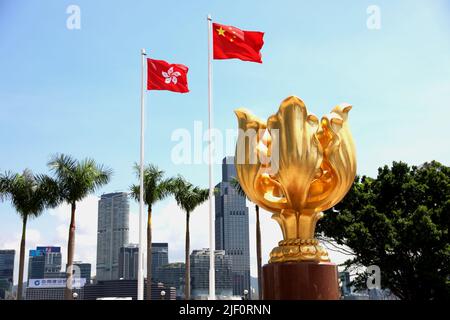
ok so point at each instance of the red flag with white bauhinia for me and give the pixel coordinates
(162, 75)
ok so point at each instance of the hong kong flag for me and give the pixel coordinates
(162, 75)
(230, 42)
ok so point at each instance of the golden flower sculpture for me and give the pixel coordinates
(296, 166)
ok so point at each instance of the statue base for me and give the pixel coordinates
(303, 280)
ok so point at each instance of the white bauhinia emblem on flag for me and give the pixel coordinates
(171, 76)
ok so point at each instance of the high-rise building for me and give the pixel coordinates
(36, 265)
(173, 275)
(200, 274)
(232, 227)
(6, 272)
(160, 257)
(344, 278)
(44, 262)
(84, 270)
(128, 262)
(112, 233)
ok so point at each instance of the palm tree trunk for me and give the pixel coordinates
(149, 253)
(187, 275)
(70, 253)
(258, 253)
(22, 258)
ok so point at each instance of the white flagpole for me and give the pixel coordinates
(212, 287)
(141, 256)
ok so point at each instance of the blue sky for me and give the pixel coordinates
(78, 91)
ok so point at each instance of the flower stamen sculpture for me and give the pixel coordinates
(296, 166)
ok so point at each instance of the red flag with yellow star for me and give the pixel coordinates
(233, 43)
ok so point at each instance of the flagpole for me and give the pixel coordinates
(212, 288)
(141, 256)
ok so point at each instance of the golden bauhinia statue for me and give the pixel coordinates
(296, 166)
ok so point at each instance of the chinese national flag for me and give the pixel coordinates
(230, 42)
(162, 75)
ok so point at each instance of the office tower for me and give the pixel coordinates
(44, 262)
(128, 262)
(84, 270)
(200, 274)
(160, 257)
(6, 272)
(112, 233)
(344, 278)
(172, 275)
(232, 229)
(52, 263)
(36, 263)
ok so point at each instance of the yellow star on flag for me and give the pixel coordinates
(221, 31)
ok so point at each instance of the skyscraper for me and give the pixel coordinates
(200, 274)
(112, 233)
(44, 262)
(84, 270)
(173, 275)
(128, 262)
(36, 264)
(160, 257)
(232, 229)
(6, 271)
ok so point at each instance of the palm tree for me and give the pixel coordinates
(30, 195)
(76, 180)
(156, 188)
(188, 198)
(237, 186)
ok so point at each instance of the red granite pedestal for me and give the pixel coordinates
(300, 281)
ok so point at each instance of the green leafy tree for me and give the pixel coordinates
(188, 198)
(399, 222)
(156, 188)
(30, 195)
(76, 180)
(237, 186)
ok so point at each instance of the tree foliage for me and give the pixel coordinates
(156, 188)
(398, 221)
(30, 194)
(77, 179)
(188, 196)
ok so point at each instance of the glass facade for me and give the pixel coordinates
(172, 275)
(160, 257)
(200, 274)
(44, 262)
(232, 227)
(6, 271)
(112, 233)
(128, 262)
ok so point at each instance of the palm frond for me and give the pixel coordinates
(156, 188)
(29, 194)
(134, 192)
(187, 196)
(237, 186)
(77, 179)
